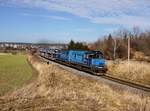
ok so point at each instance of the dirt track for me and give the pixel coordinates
(56, 89)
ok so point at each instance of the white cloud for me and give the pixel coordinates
(123, 20)
(122, 12)
(46, 16)
(88, 30)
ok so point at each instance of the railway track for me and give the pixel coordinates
(128, 83)
(108, 77)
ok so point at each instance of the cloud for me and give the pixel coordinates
(87, 30)
(46, 16)
(121, 12)
(123, 20)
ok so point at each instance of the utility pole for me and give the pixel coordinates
(129, 48)
(115, 48)
(129, 53)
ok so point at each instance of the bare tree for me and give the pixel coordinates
(136, 31)
(121, 33)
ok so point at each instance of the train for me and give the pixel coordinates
(92, 61)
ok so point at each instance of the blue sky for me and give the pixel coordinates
(63, 20)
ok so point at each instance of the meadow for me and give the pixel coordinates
(14, 72)
(57, 89)
(135, 71)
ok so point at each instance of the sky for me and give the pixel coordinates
(63, 20)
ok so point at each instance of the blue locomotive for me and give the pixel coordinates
(91, 60)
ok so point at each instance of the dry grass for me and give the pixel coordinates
(56, 89)
(135, 71)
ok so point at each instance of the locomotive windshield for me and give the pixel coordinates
(95, 55)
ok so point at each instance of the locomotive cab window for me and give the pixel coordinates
(95, 56)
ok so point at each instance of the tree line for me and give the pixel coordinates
(77, 46)
(116, 45)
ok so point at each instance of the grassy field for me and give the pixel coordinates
(56, 89)
(134, 71)
(14, 72)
